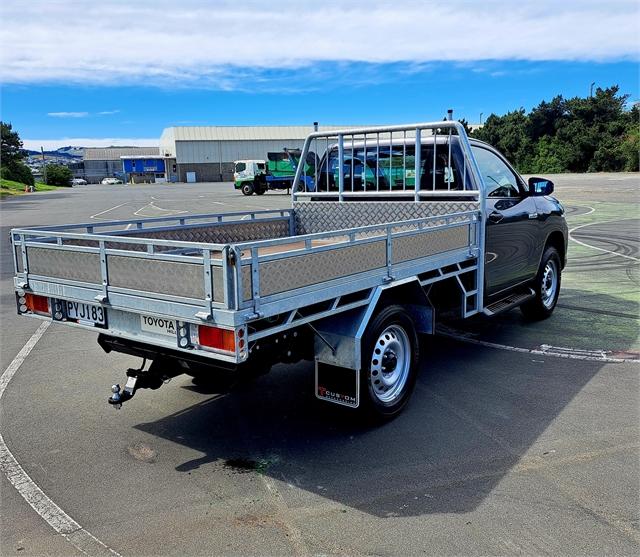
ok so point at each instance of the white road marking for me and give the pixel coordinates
(591, 210)
(153, 198)
(52, 514)
(550, 349)
(595, 247)
(153, 206)
(107, 210)
(567, 353)
(175, 211)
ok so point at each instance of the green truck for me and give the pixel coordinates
(276, 173)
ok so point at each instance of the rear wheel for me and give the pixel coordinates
(247, 188)
(390, 363)
(547, 287)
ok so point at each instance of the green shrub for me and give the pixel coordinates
(58, 175)
(17, 172)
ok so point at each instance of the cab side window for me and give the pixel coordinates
(499, 179)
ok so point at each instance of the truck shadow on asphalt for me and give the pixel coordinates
(475, 415)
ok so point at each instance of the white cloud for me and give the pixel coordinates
(52, 144)
(222, 44)
(80, 114)
(68, 114)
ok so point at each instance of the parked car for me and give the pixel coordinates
(78, 182)
(111, 181)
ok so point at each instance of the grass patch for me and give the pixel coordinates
(9, 187)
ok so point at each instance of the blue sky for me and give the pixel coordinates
(113, 80)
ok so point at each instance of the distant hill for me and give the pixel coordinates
(72, 153)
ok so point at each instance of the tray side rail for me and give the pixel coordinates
(114, 227)
(159, 270)
(348, 260)
(95, 258)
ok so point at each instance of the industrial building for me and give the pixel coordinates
(144, 169)
(207, 153)
(107, 163)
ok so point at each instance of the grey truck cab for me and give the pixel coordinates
(389, 230)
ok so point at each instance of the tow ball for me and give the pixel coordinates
(157, 374)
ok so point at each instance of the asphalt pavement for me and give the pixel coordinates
(521, 438)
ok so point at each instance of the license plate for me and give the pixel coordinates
(86, 314)
(158, 325)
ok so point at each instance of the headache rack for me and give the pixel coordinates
(282, 268)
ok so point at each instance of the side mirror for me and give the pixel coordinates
(540, 186)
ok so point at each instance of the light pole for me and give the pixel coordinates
(591, 88)
(481, 118)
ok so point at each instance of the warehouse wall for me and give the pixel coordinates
(206, 172)
(94, 171)
(189, 152)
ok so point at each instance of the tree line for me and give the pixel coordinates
(12, 166)
(598, 133)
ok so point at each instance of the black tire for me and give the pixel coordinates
(547, 287)
(247, 188)
(392, 327)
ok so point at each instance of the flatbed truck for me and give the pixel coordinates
(391, 229)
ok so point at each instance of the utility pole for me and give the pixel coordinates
(591, 88)
(44, 165)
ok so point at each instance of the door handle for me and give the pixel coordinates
(495, 217)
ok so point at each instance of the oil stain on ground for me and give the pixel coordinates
(244, 465)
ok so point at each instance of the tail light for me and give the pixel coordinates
(214, 337)
(34, 304)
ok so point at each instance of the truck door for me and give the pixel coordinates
(511, 223)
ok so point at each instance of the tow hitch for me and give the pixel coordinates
(159, 372)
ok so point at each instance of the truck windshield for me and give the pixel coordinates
(241, 166)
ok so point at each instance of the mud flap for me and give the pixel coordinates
(336, 384)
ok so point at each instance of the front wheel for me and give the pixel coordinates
(546, 286)
(390, 358)
(247, 188)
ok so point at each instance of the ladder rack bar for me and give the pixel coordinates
(418, 164)
(340, 166)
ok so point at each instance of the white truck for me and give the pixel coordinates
(393, 227)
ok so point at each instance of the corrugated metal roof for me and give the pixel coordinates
(241, 133)
(114, 153)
